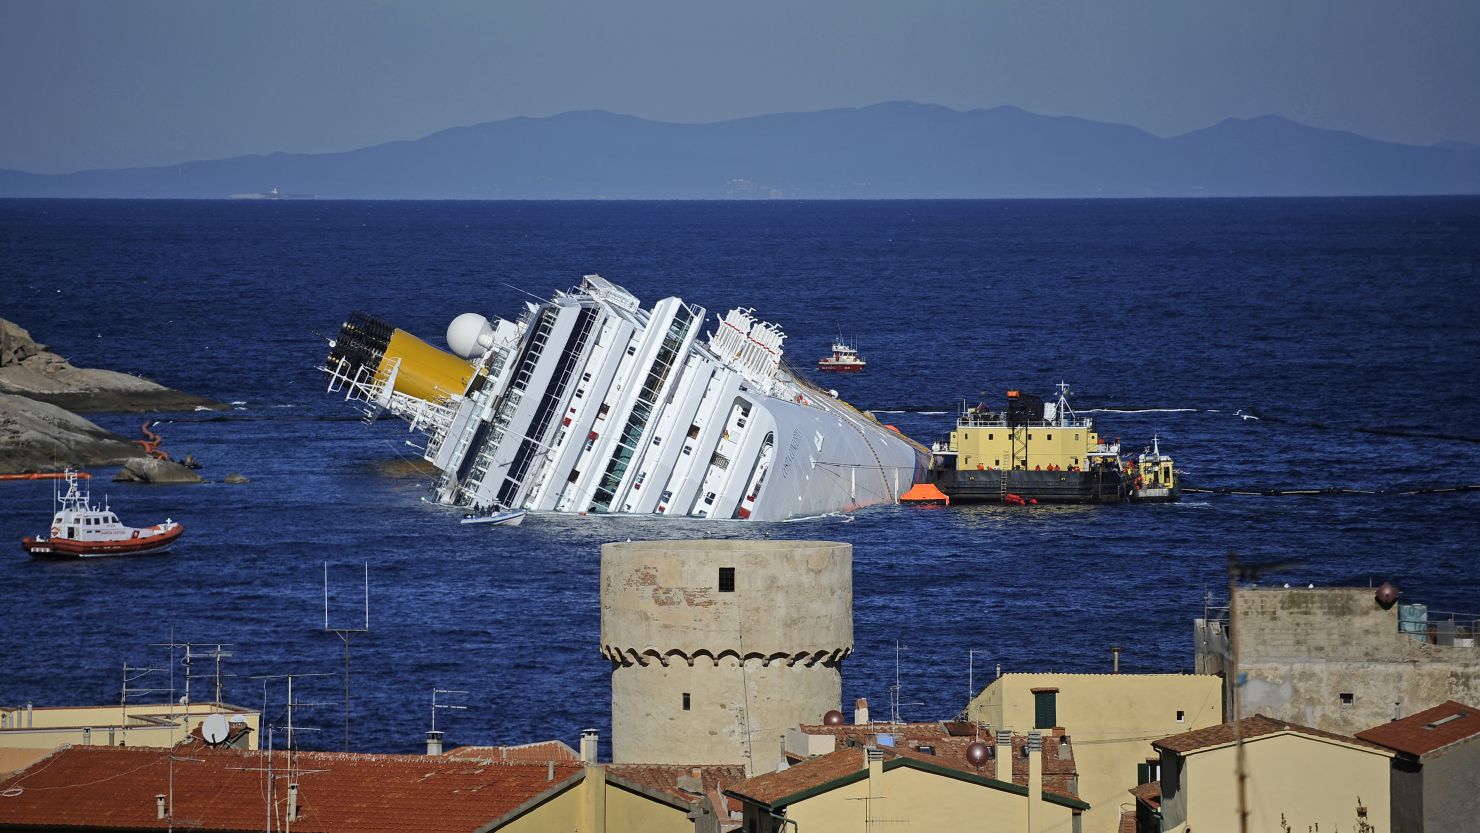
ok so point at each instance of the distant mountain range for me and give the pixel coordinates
(893, 150)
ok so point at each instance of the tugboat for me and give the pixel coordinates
(844, 359)
(1037, 452)
(1156, 480)
(80, 529)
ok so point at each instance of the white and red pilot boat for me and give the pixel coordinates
(81, 530)
(844, 359)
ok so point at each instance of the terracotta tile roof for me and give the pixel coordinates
(541, 751)
(814, 772)
(851, 763)
(1429, 730)
(216, 789)
(1252, 727)
(1148, 794)
(950, 748)
(663, 778)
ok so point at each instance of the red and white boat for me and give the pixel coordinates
(844, 359)
(81, 530)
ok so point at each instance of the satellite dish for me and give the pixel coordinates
(214, 729)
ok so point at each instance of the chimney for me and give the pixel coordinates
(292, 802)
(159, 806)
(860, 711)
(86, 736)
(434, 742)
(549, 770)
(1035, 780)
(1115, 663)
(1004, 755)
(875, 759)
(28, 715)
(589, 740)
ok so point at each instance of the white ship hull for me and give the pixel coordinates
(590, 404)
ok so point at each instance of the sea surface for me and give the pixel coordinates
(1268, 343)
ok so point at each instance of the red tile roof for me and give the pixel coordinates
(1059, 769)
(223, 790)
(1148, 794)
(548, 750)
(663, 778)
(1427, 731)
(1251, 727)
(851, 763)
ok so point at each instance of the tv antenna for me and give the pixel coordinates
(346, 634)
(896, 690)
(436, 705)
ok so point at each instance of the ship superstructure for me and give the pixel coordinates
(589, 403)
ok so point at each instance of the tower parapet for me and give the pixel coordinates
(718, 647)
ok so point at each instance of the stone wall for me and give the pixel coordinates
(701, 675)
(1302, 649)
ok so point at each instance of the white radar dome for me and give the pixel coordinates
(469, 335)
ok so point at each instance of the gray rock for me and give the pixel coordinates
(153, 470)
(37, 436)
(28, 368)
(236, 478)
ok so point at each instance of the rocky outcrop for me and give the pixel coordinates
(38, 436)
(28, 368)
(152, 470)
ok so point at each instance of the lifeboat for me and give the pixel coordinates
(80, 529)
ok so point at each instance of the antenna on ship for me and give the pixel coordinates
(346, 634)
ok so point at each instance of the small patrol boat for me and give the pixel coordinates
(509, 517)
(79, 529)
(844, 359)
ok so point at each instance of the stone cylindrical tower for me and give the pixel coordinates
(718, 647)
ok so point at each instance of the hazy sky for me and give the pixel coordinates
(108, 84)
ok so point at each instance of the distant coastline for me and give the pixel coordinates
(898, 150)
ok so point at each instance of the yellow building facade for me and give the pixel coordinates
(1110, 720)
(850, 791)
(1297, 779)
(28, 734)
(593, 802)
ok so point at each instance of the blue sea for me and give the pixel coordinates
(1268, 343)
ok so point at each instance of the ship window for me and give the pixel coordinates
(1030, 436)
(632, 350)
(666, 496)
(709, 498)
(740, 423)
(657, 440)
(991, 436)
(687, 449)
(1049, 437)
(727, 579)
(585, 377)
(1076, 436)
(693, 432)
(602, 412)
(966, 436)
(575, 475)
(580, 392)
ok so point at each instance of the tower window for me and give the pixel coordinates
(685, 701)
(727, 579)
(1347, 698)
(1181, 716)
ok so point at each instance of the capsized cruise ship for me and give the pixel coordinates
(589, 403)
